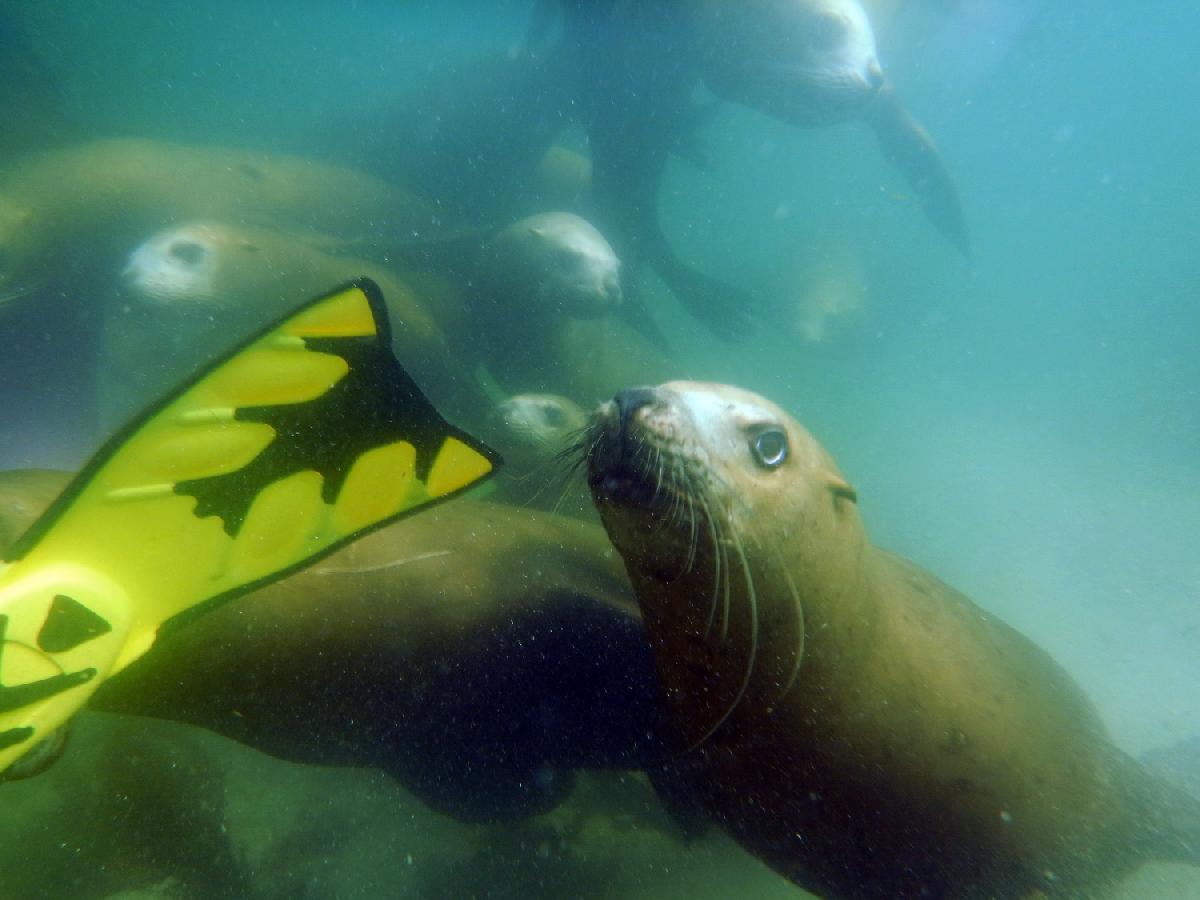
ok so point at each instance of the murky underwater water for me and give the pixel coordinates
(1023, 421)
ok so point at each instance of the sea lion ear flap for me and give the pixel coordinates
(840, 488)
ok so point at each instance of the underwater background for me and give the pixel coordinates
(1025, 422)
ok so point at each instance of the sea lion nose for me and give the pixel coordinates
(629, 401)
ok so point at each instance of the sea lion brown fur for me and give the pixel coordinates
(860, 726)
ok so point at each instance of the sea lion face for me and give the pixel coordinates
(536, 428)
(569, 266)
(727, 454)
(179, 264)
(807, 62)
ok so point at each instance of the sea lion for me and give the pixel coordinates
(557, 262)
(533, 432)
(857, 724)
(188, 290)
(84, 206)
(478, 653)
(538, 306)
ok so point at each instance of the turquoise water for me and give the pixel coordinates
(1025, 422)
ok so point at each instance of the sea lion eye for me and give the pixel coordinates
(188, 252)
(554, 416)
(771, 448)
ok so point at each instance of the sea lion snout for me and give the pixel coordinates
(618, 453)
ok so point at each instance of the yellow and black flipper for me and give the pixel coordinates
(307, 436)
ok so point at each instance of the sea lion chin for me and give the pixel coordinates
(860, 726)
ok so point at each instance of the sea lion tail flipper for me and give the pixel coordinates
(910, 149)
(303, 438)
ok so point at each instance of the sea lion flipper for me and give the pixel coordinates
(729, 312)
(908, 146)
(305, 437)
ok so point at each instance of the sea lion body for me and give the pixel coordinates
(188, 290)
(476, 652)
(853, 721)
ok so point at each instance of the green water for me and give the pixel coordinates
(1025, 422)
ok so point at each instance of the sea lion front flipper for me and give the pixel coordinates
(307, 436)
(908, 146)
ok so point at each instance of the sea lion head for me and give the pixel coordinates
(806, 62)
(729, 516)
(754, 468)
(535, 428)
(177, 264)
(560, 262)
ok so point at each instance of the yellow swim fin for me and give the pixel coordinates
(307, 436)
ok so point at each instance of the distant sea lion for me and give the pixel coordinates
(538, 305)
(533, 432)
(555, 261)
(84, 206)
(851, 720)
(185, 292)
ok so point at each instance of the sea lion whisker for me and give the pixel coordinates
(792, 675)
(693, 533)
(720, 565)
(753, 655)
(381, 567)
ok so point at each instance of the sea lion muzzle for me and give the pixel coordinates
(616, 455)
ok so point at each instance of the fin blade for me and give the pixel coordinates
(305, 437)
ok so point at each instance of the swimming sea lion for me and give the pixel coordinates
(557, 262)
(185, 292)
(537, 306)
(812, 63)
(851, 720)
(88, 204)
(533, 432)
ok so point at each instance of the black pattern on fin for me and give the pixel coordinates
(69, 624)
(329, 433)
